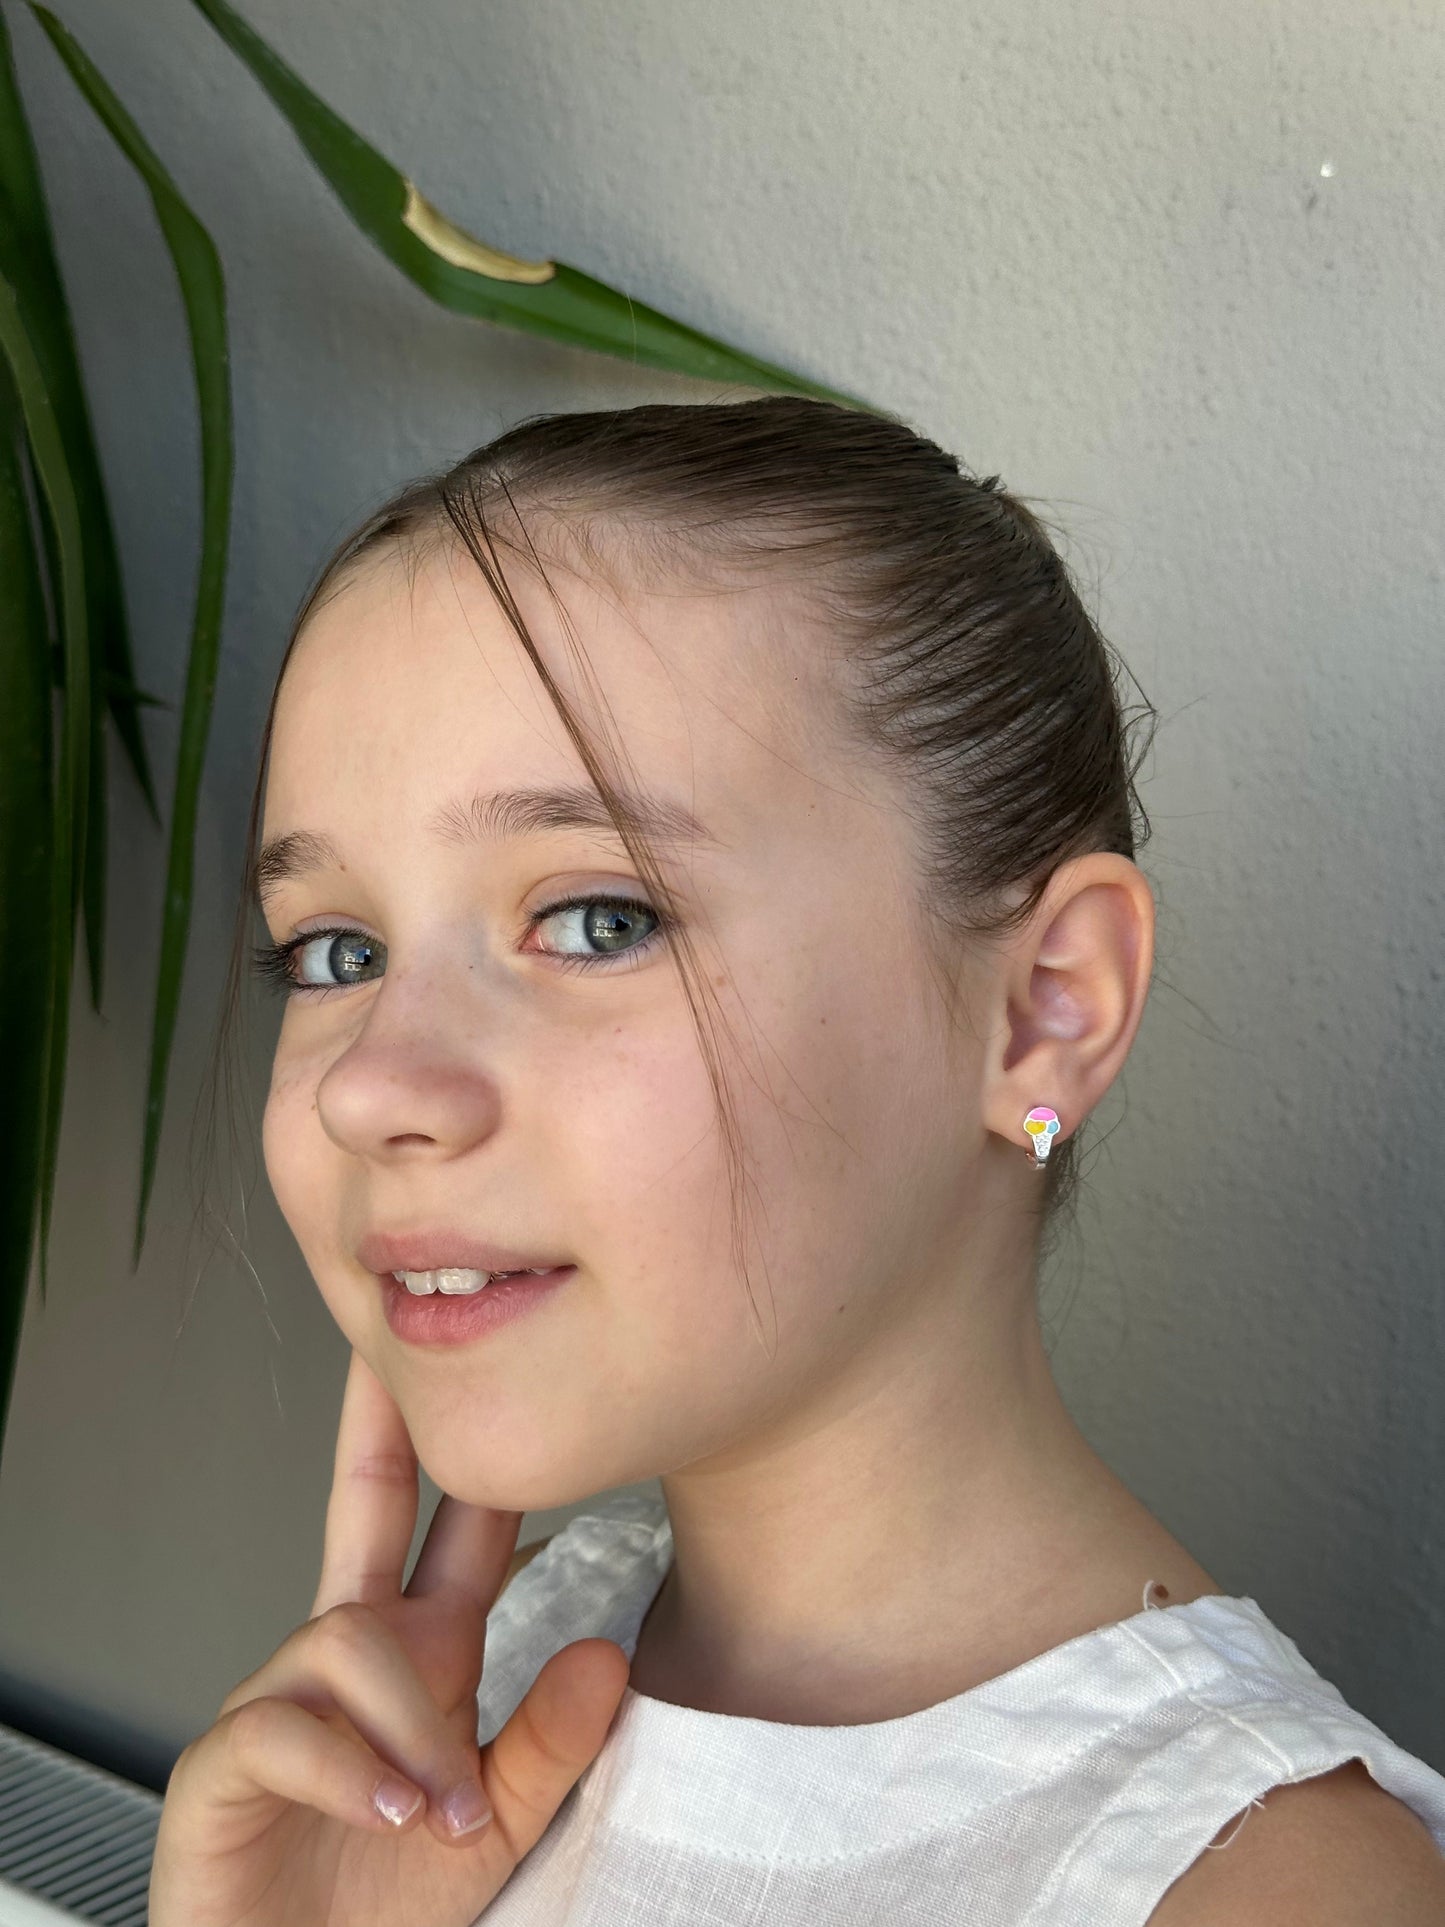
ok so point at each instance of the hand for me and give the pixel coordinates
(269, 1817)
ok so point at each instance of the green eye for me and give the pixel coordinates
(349, 955)
(320, 961)
(616, 923)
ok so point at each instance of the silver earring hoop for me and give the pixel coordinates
(1043, 1127)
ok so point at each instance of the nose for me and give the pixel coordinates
(407, 1087)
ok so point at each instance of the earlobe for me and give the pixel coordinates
(1077, 981)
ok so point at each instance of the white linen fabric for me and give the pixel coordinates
(1071, 1791)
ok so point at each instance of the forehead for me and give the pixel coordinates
(409, 678)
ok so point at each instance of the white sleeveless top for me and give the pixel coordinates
(1069, 1792)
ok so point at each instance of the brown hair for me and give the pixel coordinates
(969, 667)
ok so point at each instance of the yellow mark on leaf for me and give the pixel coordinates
(454, 244)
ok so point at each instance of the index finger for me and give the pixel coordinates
(371, 1514)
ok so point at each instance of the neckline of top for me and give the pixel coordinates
(1168, 1635)
(844, 1792)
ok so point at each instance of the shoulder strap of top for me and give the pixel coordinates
(1240, 1710)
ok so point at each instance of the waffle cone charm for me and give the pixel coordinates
(1042, 1125)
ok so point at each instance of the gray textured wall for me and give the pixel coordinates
(1095, 247)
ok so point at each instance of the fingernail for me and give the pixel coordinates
(394, 1800)
(465, 1808)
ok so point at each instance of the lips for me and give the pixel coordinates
(441, 1250)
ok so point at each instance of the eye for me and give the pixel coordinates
(614, 924)
(320, 960)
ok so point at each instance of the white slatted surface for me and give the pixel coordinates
(75, 1841)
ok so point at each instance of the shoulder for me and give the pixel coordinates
(523, 1556)
(1333, 1851)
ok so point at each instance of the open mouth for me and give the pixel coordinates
(468, 1307)
(462, 1281)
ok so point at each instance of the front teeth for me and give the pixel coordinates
(454, 1280)
(451, 1279)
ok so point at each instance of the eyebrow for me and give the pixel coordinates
(494, 816)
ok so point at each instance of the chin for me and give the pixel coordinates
(476, 1475)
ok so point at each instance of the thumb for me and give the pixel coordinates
(552, 1737)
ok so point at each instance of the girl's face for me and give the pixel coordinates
(469, 1081)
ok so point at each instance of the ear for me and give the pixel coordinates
(1073, 986)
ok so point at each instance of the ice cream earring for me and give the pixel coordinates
(1042, 1125)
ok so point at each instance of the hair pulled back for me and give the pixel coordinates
(968, 665)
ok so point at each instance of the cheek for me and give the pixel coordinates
(642, 1135)
(290, 1141)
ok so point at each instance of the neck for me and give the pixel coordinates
(903, 1542)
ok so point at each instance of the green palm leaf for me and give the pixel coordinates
(71, 795)
(27, 260)
(198, 268)
(461, 273)
(25, 872)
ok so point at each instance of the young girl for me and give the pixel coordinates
(698, 851)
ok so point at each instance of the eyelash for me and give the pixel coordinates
(272, 961)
